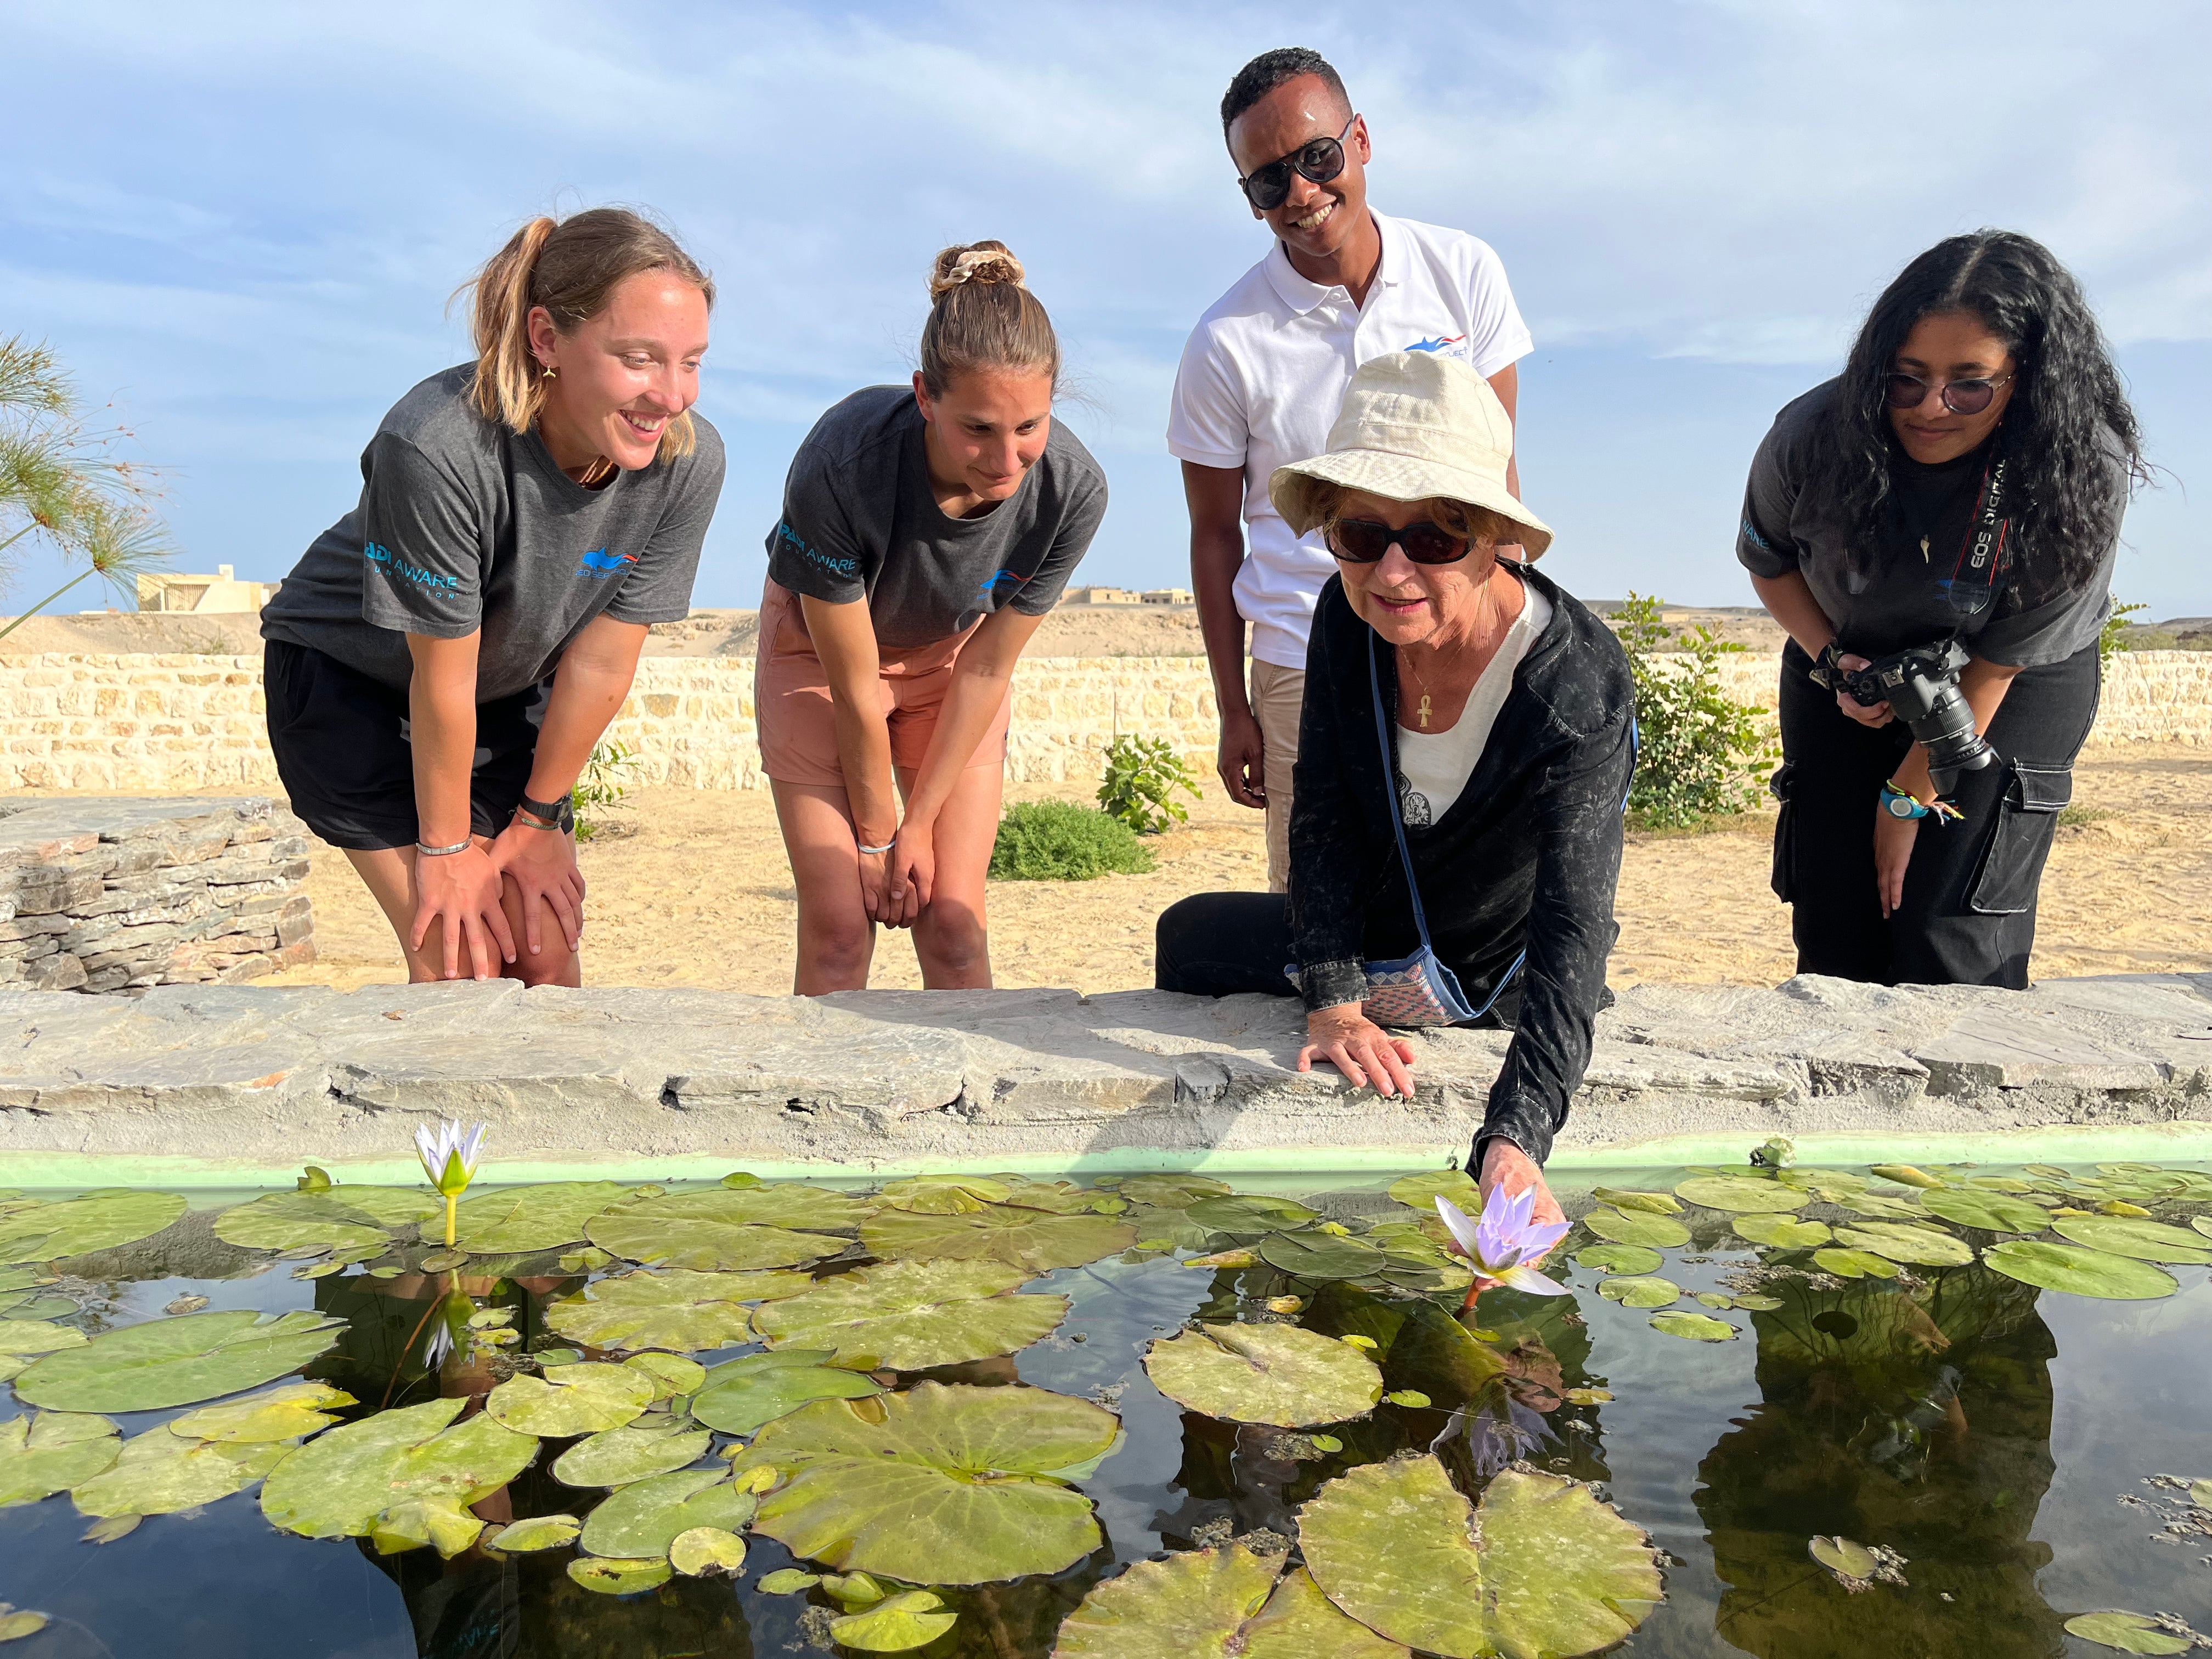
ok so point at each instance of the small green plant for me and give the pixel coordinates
(604, 784)
(60, 480)
(1697, 748)
(1058, 841)
(2074, 816)
(2112, 637)
(1142, 775)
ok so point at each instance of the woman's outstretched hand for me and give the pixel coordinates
(543, 864)
(1893, 851)
(1359, 1048)
(463, 889)
(1506, 1171)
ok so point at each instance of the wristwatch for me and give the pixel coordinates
(1827, 668)
(560, 814)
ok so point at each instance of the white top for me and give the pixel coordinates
(1265, 372)
(1433, 767)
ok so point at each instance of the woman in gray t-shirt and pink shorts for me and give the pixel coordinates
(925, 534)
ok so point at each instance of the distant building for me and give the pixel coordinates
(1101, 596)
(1167, 596)
(222, 592)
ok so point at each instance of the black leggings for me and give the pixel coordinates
(1968, 915)
(1220, 944)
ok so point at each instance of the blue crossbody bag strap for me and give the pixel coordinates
(1390, 782)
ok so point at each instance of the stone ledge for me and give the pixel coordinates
(871, 1079)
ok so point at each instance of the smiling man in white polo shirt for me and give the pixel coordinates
(1265, 372)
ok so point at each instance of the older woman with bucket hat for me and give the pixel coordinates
(1469, 734)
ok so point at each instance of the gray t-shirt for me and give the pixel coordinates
(859, 520)
(1896, 597)
(464, 524)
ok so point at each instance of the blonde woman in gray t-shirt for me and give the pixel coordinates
(925, 532)
(444, 658)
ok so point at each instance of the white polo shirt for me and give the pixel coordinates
(1264, 373)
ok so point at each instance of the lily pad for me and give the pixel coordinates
(1844, 1557)
(786, 1204)
(1209, 1603)
(1063, 1198)
(684, 1310)
(1557, 1572)
(644, 1518)
(288, 1221)
(177, 1362)
(1422, 1191)
(1278, 1374)
(1626, 1198)
(538, 1532)
(1632, 1292)
(2146, 1240)
(1028, 1239)
(1889, 1207)
(1321, 1255)
(1695, 1326)
(2130, 1632)
(907, 1496)
(1855, 1264)
(1171, 1192)
(706, 1550)
(1786, 1232)
(1992, 1212)
(51, 1452)
(338, 1483)
(612, 1577)
(743, 1395)
(615, 1457)
(707, 1232)
(788, 1581)
(16, 1623)
(2079, 1271)
(1619, 1259)
(895, 1625)
(571, 1399)
(392, 1208)
(291, 1410)
(1906, 1175)
(1250, 1212)
(937, 1195)
(1635, 1227)
(673, 1377)
(1901, 1241)
(522, 1218)
(1741, 1195)
(78, 1226)
(909, 1315)
(159, 1473)
(19, 1338)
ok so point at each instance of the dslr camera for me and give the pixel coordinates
(1921, 686)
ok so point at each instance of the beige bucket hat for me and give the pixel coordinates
(1415, 425)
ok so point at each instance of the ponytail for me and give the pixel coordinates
(570, 267)
(981, 317)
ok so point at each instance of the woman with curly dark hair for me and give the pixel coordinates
(1961, 484)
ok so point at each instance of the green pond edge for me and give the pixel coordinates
(2184, 1140)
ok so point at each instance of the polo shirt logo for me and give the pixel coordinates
(991, 586)
(600, 565)
(1438, 342)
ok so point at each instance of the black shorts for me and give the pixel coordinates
(343, 752)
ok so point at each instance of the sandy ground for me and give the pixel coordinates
(690, 887)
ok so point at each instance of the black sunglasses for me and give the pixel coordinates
(1960, 397)
(1363, 541)
(1319, 160)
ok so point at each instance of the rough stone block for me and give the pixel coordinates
(292, 928)
(59, 971)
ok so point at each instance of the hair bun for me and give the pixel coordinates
(983, 264)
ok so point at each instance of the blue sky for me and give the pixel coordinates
(242, 222)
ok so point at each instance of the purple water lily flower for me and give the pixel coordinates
(1506, 1237)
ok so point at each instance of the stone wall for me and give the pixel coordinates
(88, 721)
(120, 895)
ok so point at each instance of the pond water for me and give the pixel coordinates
(2000, 1448)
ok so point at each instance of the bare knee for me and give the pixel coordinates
(834, 952)
(954, 943)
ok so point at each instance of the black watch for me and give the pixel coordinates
(561, 814)
(1828, 668)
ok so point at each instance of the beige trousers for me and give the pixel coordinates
(1277, 697)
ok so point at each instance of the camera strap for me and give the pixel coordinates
(1973, 582)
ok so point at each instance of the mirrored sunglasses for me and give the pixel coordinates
(1320, 160)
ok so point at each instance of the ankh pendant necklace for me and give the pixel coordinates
(1422, 708)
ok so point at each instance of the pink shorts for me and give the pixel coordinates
(797, 719)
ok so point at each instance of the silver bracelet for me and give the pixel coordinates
(430, 852)
(885, 847)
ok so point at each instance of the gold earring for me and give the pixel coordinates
(545, 371)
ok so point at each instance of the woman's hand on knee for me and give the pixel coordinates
(1893, 838)
(542, 864)
(1359, 1048)
(913, 873)
(463, 890)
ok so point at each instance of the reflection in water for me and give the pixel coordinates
(1917, 1418)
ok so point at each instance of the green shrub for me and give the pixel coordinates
(1058, 841)
(1699, 751)
(602, 785)
(1142, 775)
(2113, 636)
